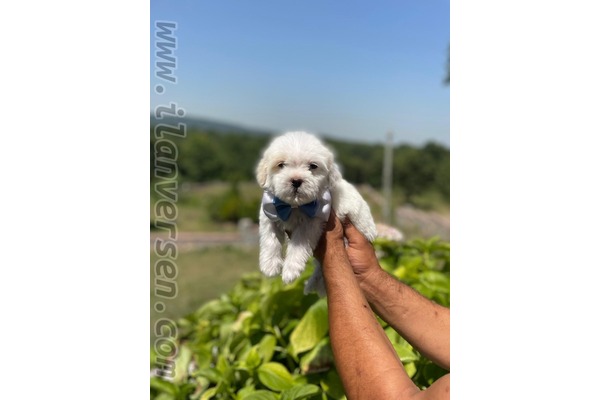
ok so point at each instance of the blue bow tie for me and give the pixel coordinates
(284, 210)
(278, 210)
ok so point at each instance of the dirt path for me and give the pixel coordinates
(247, 235)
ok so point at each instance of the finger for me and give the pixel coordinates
(330, 223)
(329, 232)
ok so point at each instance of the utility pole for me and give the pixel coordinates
(387, 178)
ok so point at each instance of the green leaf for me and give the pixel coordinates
(214, 309)
(392, 335)
(182, 362)
(213, 375)
(208, 394)
(275, 376)
(185, 391)
(311, 329)
(300, 379)
(237, 343)
(261, 395)
(276, 307)
(253, 358)
(406, 354)
(164, 396)
(411, 369)
(318, 359)
(239, 322)
(200, 386)
(163, 386)
(400, 272)
(202, 355)
(387, 264)
(266, 347)
(245, 392)
(299, 392)
(225, 368)
(332, 385)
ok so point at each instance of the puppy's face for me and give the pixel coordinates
(297, 168)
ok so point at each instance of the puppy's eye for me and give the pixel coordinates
(281, 164)
(313, 166)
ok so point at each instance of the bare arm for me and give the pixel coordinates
(422, 322)
(365, 359)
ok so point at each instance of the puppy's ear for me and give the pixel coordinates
(334, 175)
(262, 171)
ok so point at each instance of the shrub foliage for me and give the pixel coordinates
(205, 156)
(265, 341)
(233, 206)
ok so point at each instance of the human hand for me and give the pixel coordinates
(332, 237)
(359, 250)
(361, 253)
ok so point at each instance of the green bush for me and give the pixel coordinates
(266, 340)
(233, 206)
(205, 156)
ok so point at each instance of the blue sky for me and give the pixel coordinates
(346, 69)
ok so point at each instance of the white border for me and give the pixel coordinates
(524, 198)
(75, 200)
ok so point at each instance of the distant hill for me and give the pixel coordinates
(214, 151)
(203, 124)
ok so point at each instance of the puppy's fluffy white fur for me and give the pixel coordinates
(300, 156)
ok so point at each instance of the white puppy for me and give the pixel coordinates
(301, 183)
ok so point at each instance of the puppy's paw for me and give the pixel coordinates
(370, 231)
(289, 276)
(291, 271)
(271, 266)
(365, 225)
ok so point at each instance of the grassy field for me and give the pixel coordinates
(203, 275)
(193, 202)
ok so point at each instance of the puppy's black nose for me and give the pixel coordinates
(296, 183)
